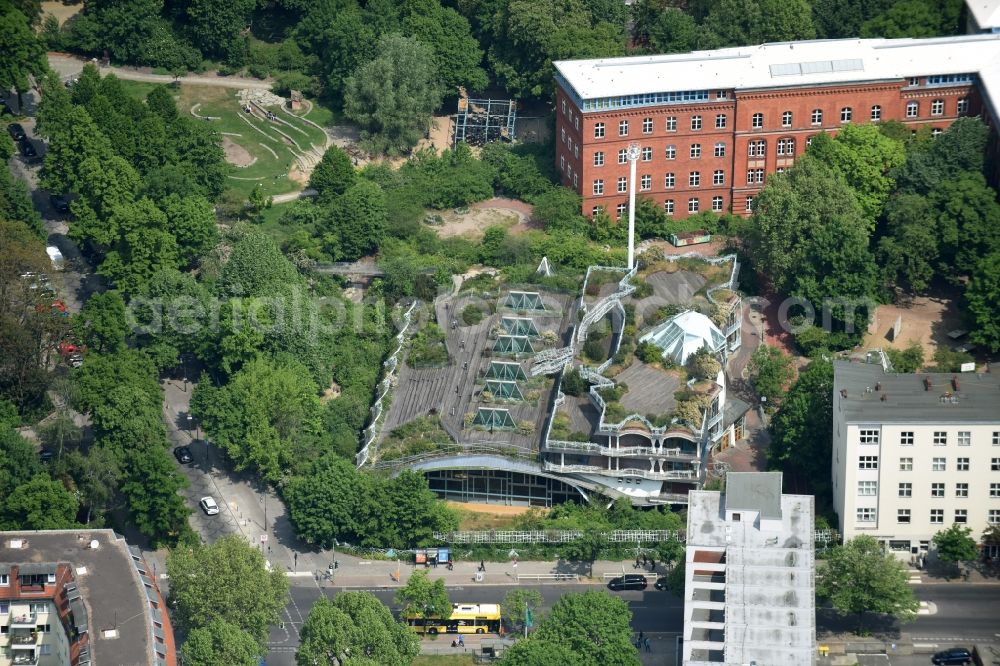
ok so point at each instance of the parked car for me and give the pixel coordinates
(27, 148)
(16, 132)
(60, 203)
(45, 455)
(75, 360)
(628, 582)
(183, 455)
(661, 583)
(952, 656)
(209, 506)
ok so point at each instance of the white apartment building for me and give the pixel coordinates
(914, 453)
(749, 590)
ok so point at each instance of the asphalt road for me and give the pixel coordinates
(964, 613)
(653, 612)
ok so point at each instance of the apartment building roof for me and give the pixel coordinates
(788, 64)
(110, 589)
(865, 393)
(986, 12)
(756, 491)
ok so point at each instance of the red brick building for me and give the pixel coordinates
(80, 597)
(712, 125)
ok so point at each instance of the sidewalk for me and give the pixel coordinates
(365, 574)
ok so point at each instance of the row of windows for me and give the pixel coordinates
(669, 181)
(757, 119)
(669, 206)
(869, 488)
(939, 437)
(903, 516)
(937, 464)
(627, 101)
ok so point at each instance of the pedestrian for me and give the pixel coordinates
(636, 565)
(640, 636)
(461, 641)
(652, 565)
(648, 648)
(482, 565)
(644, 560)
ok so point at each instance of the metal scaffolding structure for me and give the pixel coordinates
(480, 121)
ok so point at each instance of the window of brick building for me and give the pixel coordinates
(671, 152)
(599, 158)
(696, 122)
(786, 119)
(598, 130)
(817, 117)
(720, 121)
(912, 109)
(647, 125)
(694, 179)
(720, 150)
(845, 114)
(693, 205)
(647, 154)
(622, 184)
(757, 121)
(598, 187)
(645, 182)
(669, 181)
(719, 177)
(671, 123)
(717, 204)
(623, 128)
(876, 113)
(937, 107)
(695, 151)
(668, 206)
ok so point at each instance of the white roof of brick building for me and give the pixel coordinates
(807, 63)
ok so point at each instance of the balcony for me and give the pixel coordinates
(668, 475)
(25, 659)
(619, 452)
(23, 621)
(24, 641)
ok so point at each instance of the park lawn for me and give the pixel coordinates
(443, 660)
(275, 156)
(481, 520)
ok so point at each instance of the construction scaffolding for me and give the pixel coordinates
(480, 121)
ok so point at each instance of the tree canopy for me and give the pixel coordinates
(355, 627)
(861, 577)
(226, 581)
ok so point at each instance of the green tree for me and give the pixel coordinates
(743, 22)
(536, 652)
(909, 249)
(226, 581)
(811, 240)
(19, 462)
(915, 18)
(260, 416)
(457, 54)
(982, 295)
(955, 544)
(861, 577)
(866, 159)
(910, 359)
(836, 19)
(39, 504)
(516, 603)
(221, 643)
(101, 324)
(968, 221)
(802, 431)
(216, 26)
(21, 52)
(393, 96)
(151, 485)
(255, 266)
(770, 371)
(586, 548)
(334, 173)
(191, 220)
(355, 628)
(667, 29)
(423, 597)
(594, 625)
(357, 222)
(97, 475)
(328, 502)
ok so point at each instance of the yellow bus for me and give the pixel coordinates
(464, 619)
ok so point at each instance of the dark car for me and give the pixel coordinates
(27, 148)
(45, 455)
(16, 132)
(952, 656)
(661, 583)
(59, 203)
(183, 455)
(628, 582)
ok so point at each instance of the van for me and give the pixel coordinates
(58, 263)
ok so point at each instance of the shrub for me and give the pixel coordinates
(572, 383)
(472, 314)
(647, 352)
(910, 359)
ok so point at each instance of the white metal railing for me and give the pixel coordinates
(614, 451)
(385, 386)
(653, 475)
(555, 536)
(554, 576)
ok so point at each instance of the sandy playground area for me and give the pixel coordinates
(926, 320)
(515, 215)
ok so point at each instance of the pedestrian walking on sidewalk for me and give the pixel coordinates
(482, 565)
(640, 636)
(461, 641)
(648, 648)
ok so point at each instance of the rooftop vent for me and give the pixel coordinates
(94, 544)
(109, 634)
(18, 544)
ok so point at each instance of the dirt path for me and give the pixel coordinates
(515, 215)
(70, 65)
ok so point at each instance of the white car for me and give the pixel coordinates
(209, 506)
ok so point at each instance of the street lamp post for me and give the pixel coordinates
(633, 156)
